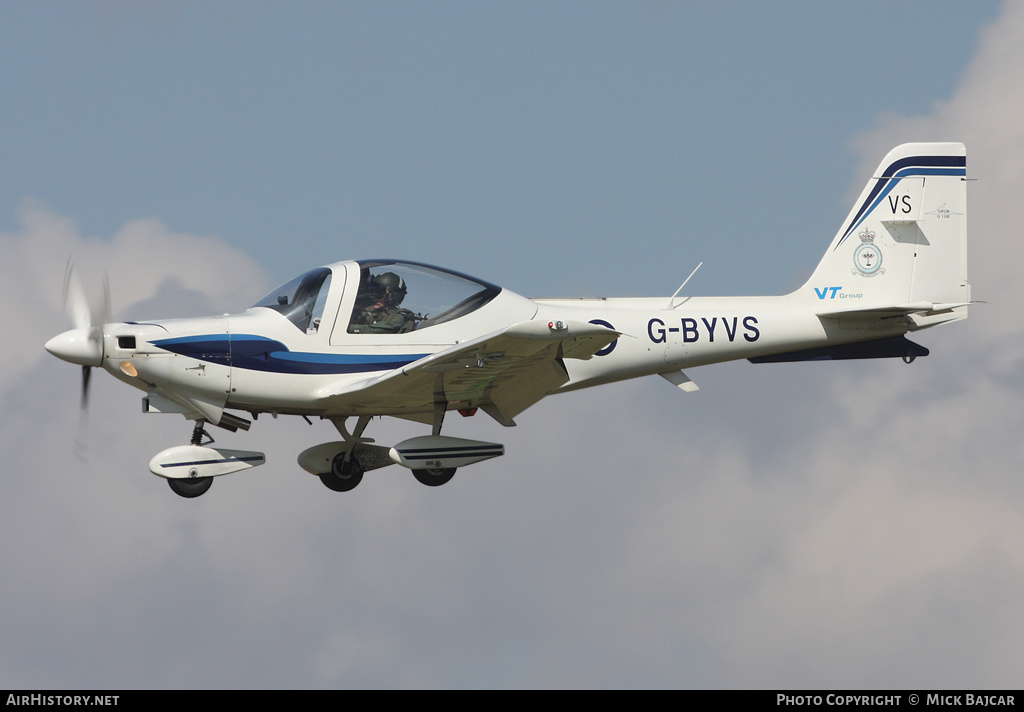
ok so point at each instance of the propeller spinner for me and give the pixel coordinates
(83, 344)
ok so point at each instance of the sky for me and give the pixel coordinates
(821, 525)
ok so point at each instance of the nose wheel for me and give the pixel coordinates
(190, 469)
(193, 486)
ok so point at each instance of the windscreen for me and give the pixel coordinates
(301, 300)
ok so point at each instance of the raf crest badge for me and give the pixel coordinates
(868, 258)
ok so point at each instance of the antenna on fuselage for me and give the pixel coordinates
(672, 298)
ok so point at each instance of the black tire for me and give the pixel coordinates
(191, 487)
(434, 477)
(344, 476)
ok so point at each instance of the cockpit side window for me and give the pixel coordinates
(301, 300)
(398, 297)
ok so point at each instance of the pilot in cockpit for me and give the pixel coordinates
(378, 308)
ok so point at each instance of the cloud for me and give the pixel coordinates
(144, 260)
(74, 537)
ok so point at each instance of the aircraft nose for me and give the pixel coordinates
(80, 346)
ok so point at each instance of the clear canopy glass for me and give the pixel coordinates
(398, 297)
(302, 299)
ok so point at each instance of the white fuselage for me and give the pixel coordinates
(257, 361)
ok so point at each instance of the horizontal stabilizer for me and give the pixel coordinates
(893, 347)
(915, 316)
(896, 310)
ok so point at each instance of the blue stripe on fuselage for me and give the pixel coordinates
(258, 353)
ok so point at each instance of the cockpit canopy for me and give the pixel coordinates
(398, 297)
(391, 297)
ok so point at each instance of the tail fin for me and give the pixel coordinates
(903, 248)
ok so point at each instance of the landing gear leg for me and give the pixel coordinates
(357, 437)
(440, 407)
(193, 486)
(199, 432)
(436, 476)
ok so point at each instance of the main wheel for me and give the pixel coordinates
(343, 476)
(191, 487)
(434, 477)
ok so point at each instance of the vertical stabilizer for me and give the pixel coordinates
(905, 240)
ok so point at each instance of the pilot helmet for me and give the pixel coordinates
(394, 286)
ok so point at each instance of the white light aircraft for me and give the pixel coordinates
(369, 338)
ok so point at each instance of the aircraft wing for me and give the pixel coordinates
(504, 372)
